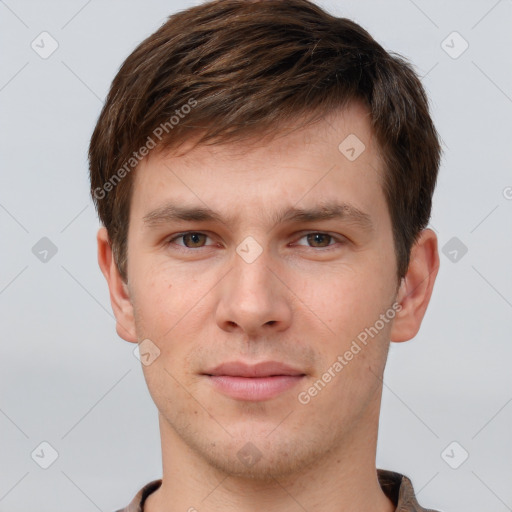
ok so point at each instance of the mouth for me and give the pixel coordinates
(262, 369)
(254, 388)
(261, 381)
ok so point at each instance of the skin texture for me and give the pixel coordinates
(202, 304)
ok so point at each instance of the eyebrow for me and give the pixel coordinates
(171, 212)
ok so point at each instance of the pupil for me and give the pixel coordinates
(317, 237)
(195, 238)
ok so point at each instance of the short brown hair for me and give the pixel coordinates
(243, 68)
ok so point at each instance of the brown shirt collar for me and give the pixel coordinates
(397, 487)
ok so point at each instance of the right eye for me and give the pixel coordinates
(190, 237)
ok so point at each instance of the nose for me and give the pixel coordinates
(254, 297)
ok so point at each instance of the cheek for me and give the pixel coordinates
(351, 305)
(172, 310)
(155, 299)
(346, 296)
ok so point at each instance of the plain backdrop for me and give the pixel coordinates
(68, 380)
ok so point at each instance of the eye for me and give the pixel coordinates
(197, 240)
(320, 238)
(193, 238)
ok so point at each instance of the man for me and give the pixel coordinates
(264, 174)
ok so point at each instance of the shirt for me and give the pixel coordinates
(397, 487)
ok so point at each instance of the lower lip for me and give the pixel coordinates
(254, 388)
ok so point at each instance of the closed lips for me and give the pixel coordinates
(263, 369)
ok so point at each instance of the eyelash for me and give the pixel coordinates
(322, 249)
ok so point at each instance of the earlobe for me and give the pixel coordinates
(416, 287)
(119, 292)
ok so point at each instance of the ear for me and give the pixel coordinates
(416, 287)
(119, 292)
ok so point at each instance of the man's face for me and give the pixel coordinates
(253, 288)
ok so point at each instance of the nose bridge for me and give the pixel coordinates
(252, 296)
(252, 280)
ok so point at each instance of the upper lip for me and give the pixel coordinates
(263, 369)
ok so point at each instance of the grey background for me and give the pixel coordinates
(67, 379)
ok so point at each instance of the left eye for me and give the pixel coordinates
(319, 238)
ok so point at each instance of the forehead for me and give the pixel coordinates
(335, 156)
